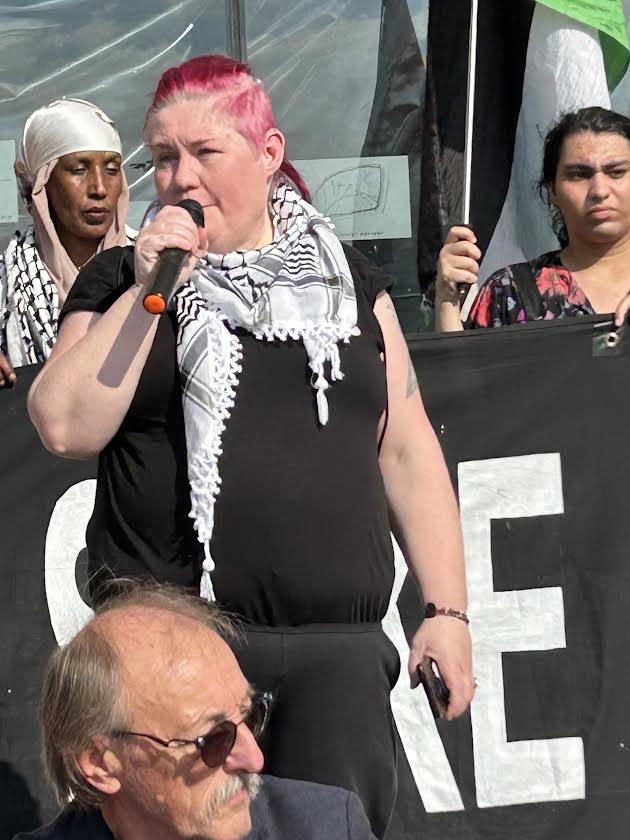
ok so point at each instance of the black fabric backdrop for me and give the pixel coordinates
(31, 482)
(542, 388)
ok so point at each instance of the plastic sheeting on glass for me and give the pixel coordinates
(111, 52)
(346, 79)
(332, 68)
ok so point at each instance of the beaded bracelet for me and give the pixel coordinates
(431, 611)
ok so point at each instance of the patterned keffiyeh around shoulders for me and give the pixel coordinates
(300, 287)
(29, 302)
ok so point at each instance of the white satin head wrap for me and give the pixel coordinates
(62, 128)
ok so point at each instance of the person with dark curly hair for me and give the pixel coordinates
(585, 183)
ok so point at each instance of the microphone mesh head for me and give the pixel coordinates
(194, 208)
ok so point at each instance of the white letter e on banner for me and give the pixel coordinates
(516, 772)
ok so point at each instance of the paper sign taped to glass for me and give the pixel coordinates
(366, 198)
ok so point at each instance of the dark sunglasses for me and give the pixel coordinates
(216, 745)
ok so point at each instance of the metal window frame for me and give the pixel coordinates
(236, 31)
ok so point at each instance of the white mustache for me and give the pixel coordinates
(250, 782)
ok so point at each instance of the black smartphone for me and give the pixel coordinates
(436, 690)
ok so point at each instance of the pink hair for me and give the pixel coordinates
(236, 94)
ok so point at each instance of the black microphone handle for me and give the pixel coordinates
(164, 275)
(163, 278)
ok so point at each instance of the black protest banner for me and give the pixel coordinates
(32, 483)
(533, 421)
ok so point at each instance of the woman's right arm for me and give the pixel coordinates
(458, 266)
(82, 394)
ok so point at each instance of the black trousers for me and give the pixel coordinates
(331, 720)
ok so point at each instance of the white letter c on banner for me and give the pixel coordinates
(65, 538)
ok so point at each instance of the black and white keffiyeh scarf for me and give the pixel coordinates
(30, 304)
(298, 287)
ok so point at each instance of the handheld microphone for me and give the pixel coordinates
(165, 273)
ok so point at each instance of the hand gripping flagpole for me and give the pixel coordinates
(470, 108)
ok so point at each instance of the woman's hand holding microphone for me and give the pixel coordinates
(173, 227)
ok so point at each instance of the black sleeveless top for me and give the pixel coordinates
(301, 529)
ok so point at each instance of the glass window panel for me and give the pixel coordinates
(111, 52)
(320, 63)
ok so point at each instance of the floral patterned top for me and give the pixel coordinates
(499, 303)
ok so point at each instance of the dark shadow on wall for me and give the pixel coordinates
(18, 810)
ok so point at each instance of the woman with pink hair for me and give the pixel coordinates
(256, 439)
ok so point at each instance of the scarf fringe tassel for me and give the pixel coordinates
(203, 471)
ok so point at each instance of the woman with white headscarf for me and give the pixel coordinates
(69, 173)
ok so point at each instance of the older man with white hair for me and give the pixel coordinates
(149, 731)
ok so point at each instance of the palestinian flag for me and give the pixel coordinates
(535, 61)
(608, 19)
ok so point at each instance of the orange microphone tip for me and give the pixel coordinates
(155, 304)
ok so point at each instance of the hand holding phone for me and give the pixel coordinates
(436, 690)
